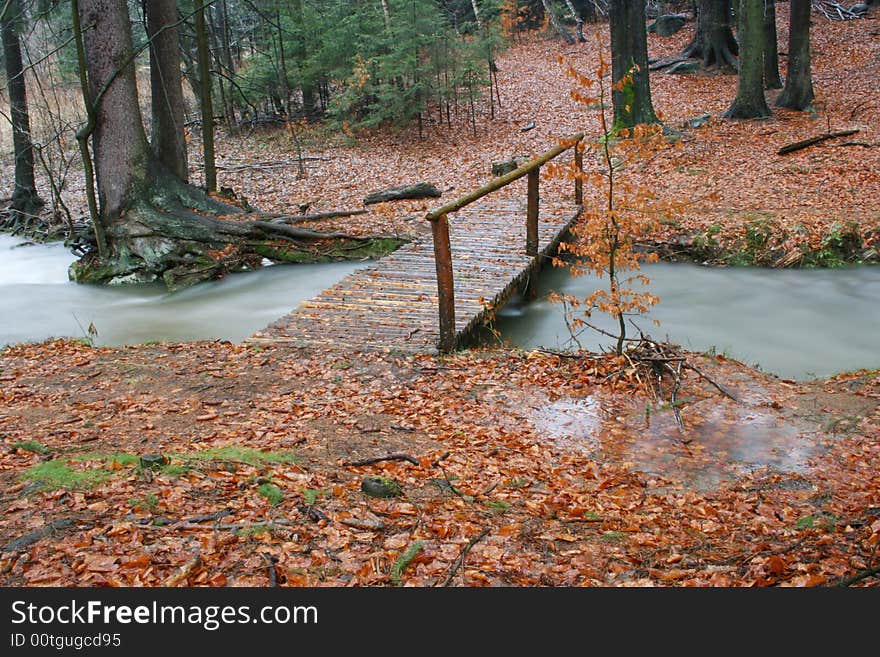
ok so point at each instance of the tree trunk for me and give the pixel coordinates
(204, 59)
(750, 102)
(307, 86)
(713, 41)
(156, 226)
(798, 91)
(579, 21)
(554, 21)
(771, 51)
(168, 108)
(629, 55)
(25, 200)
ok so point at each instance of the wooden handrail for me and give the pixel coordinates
(440, 227)
(506, 179)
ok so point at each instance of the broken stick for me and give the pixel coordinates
(805, 143)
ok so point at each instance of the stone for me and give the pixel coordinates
(376, 486)
(417, 191)
(502, 168)
(153, 461)
(667, 24)
(860, 9)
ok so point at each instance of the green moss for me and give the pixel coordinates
(272, 493)
(404, 561)
(31, 446)
(311, 495)
(57, 474)
(241, 455)
(121, 458)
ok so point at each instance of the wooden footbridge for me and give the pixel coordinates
(429, 295)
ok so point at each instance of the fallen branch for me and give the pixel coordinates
(396, 456)
(805, 143)
(859, 576)
(182, 574)
(459, 560)
(34, 536)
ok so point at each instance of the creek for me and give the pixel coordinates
(796, 323)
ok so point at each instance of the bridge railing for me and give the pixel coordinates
(440, 226)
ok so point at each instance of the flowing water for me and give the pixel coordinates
(796, 323)
(37, 301)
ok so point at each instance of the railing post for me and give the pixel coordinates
(532, 213)
(445, 289)
(578, 174)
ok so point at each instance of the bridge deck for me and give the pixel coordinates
(392, 305)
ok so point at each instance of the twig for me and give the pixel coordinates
(718, 386)
(459, 560)
(396, 456)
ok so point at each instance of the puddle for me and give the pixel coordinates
(722, 439)
(571, 425)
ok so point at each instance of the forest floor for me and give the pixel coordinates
(515, 468)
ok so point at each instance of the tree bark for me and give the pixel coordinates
(713, 41)
(25, 200)
(554, 21)
(156, 226)
(166, 91)
(629, 55)
(750, 102)
(579, 21)
(798, 91)
(772, 80)
(204, 59)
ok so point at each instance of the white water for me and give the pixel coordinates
(37, 301)
(798, 323)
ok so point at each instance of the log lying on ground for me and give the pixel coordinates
(315, 216)
(417, 191)
(806, 143)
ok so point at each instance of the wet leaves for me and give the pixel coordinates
(272, 478)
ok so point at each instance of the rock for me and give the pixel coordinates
(376, 486)
(502, 168)
(698, 121)
(153, 461)
(860, 9)
(667, 25)
(682, 68)
(419, 190)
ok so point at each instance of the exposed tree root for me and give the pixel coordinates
(181, 236)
